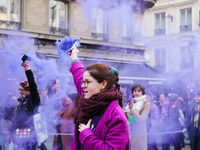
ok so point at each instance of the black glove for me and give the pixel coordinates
(24, 58)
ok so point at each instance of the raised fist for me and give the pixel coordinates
(24, 58)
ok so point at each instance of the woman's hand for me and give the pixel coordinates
(131, 105)
(73, 53)
(25, 64)
(132, 111)
(82, 126)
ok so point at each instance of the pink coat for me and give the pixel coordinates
(111, 132)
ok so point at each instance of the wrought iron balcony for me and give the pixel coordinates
(187, 65)
(126, 39)
(100, 36)
(58, 31)
(159, 31)
(10, 25)
(185, 28)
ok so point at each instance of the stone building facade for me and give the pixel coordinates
(109, 32)
(171, 33)
(46, 21)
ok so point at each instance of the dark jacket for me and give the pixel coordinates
(171, 123)
(189, 124)
(26, 107)
(172, 120)
(23, 119)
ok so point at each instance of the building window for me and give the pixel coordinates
(58, 17)
(199, 18)
(160, 24)
(98, 24)
(160, 59)
(126, 29)
(187, 58)
(186, 20)
(10, 14)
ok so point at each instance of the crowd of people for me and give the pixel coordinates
(174, 120)
(96, 116)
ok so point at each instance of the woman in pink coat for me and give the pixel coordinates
(100, 122)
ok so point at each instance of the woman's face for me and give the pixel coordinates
(178, 103)
(137, 92)
(197, 98)
(155, 102)
(21, 90)
(148, 97)
(162, 97)
(66, 101)
(91, 86)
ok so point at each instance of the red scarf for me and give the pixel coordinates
(96, 104)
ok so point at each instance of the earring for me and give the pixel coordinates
(102, 90)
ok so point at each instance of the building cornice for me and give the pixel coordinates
(59, 37)
(94, 51)
(171, 4)
(184, 3)
(111, 44)
(167, 38)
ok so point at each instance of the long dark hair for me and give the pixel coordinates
(103, 72)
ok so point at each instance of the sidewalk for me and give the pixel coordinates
(172, 148)
(49, 144)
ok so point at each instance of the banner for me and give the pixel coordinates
(40, 126)
(165, 107)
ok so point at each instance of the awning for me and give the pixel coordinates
(129, 72)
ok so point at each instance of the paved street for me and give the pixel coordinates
(49, 144)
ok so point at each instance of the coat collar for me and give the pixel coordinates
(107, 115)
(105, 118)
(142, 107)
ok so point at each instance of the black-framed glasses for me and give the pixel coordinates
(86, 82)
(21, 89)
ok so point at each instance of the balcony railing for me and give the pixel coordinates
(10, 25)
(187, 66)
(126, 39)
(99, 36)
(58, 31)
(159, 32)
(185, 28)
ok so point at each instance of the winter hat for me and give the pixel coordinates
(72, 96)
(172, 96)
(197, 93)
(181, 100)
(149, 93)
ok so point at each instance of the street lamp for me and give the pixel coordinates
(193, 45)
(170, 17)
